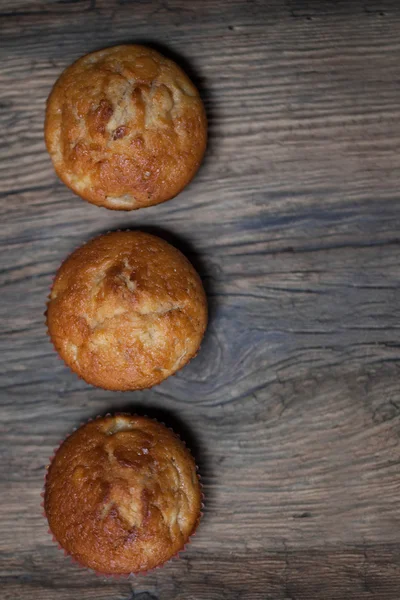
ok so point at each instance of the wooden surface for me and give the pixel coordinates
(292, 407)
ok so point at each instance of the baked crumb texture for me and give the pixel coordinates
(122, 494)
(126, 311)
(125, 128)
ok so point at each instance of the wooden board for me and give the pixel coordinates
(292, 406)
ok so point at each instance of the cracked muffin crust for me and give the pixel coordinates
(122, 494)
(125, 128)
(126, 311)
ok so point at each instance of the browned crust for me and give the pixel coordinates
(122, 494)
(125, 128)
(126, 311)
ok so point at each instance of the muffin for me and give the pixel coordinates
(125, 127)
(126, 310)
(122, 495)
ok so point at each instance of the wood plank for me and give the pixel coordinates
(292, 405)
(361, 573)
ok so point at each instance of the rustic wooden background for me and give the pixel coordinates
(292, 407)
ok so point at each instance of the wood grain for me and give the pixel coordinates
(292, 406)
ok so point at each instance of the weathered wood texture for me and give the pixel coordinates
(292, 406)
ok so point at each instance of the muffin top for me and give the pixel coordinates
(126, 310)
(125, 127)
(122, 494)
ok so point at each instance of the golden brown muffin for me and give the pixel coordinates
(126, 310)
(125, 128)
(122, 494)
